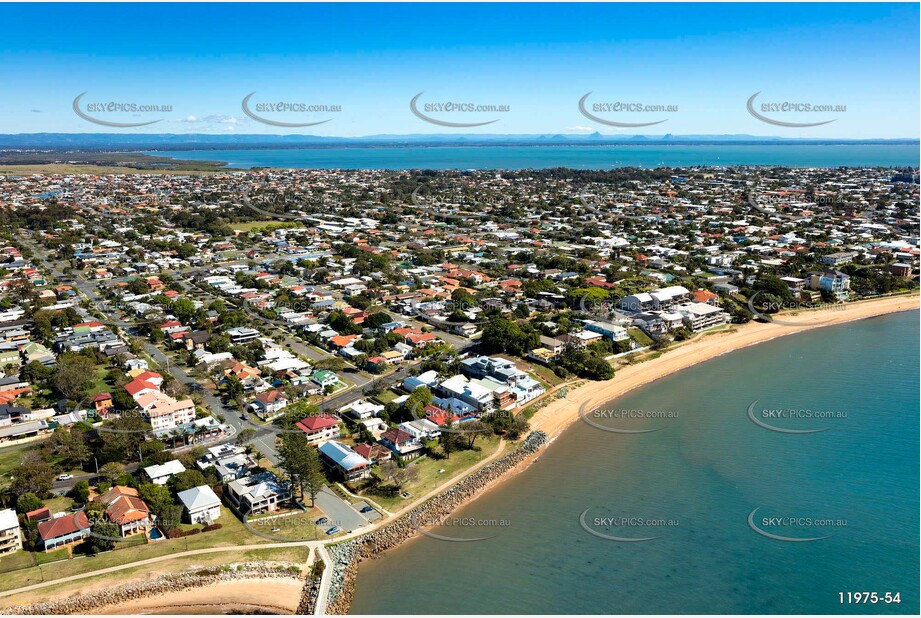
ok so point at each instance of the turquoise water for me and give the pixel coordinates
(704, 471)
(579, 157)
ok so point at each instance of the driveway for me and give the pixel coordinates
(339, 512)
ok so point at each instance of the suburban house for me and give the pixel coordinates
(10, 538)
(319, 428)
(202, 506)
(125, 509)
(160, 474)
(325, 378)
(64, 530)
(258, 493)
(375, 453)
(344, 461)
(403, 444)
(269, 405)
(421, 429)
(363, 409)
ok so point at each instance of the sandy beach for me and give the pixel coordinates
(250, 596)
(561, 413)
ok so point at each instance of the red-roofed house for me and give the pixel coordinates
(375, 453)
(404, 444)
(55, 533)
(319, 428)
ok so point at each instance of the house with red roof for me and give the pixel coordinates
(401, 443)
(125, 509)
(319, 428)
(375, 453)
(61, 531)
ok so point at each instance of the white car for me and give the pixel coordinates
(65, 477)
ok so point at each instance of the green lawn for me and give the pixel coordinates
(430, 475)
(232, 532)
(295, 555)
(385, 397)
(641, 338)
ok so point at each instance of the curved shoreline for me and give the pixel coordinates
(547, 424)
(559, 414)
(199, 587)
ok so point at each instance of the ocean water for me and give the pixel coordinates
(697, 479)
(579, 157)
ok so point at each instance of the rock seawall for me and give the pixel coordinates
(165, 584)
(346, 556)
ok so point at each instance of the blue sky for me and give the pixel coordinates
(539, 60)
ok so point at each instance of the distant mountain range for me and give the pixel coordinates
(202, 141)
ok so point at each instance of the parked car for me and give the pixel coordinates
(322, 520)
(332, 530)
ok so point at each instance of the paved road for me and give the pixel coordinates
(325, 581)
(264, 440)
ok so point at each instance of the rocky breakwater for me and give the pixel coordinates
(165, 584)
(346, 556)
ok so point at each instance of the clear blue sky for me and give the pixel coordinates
(707, 59)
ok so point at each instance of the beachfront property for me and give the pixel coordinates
(257, 493)
(404, 445)
(125, 509)
(344, 462)
(201, 505)
(835, 282)
(10, 535)
(63, 529)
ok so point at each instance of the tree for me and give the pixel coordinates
(448, 442)
(81, 492)
(28, 502)
(35, 372)
(73, 375)
(34, 475)
(301, 462)
(110, 471)
(121, 437)
(102, 538)
(70, 446)
(157, 497)
(187, 480)
(246, 435)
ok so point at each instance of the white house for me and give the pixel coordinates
(10, 538)
(202, 506)
(160, 474)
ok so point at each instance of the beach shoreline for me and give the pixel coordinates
(262, 595)
(552, 420)
(561, 413)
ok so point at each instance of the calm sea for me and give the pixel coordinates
(693, 484)
(580, 157)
